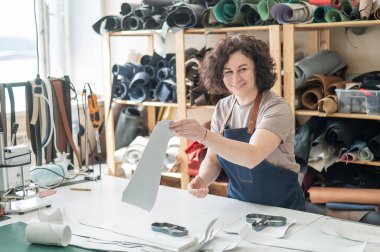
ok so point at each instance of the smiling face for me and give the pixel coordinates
(239, 77)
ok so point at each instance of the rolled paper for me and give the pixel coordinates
(48, 234)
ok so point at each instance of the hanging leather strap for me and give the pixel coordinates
(252, 120)
(3, 119)
(57, 85)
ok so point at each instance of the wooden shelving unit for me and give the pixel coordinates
(274, 33)
(319, 39)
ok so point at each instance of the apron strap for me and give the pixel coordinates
(228, 116)
(252, 120)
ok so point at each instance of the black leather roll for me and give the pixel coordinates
(162, 63)
(145, 60)
(374, 145)
(138, 93)
(341, 133)
(127, 127)
(140, 79)
(127, 9)
(166, 91)
(154, 22)
(170, 60)
(252, 17)
(121, 90)
(208, 19)
(151, 70)
(132, 23)
(127, 71)
(158, 4)
(163, 73)
(184, 15)
(109, 23)
(144, 11)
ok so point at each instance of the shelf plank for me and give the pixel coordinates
(200, 107)
(136, 33)
(348, 24)
(337, 115)
(371, 163)
(227, 29)
(146, 103)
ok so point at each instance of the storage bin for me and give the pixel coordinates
(358, 101)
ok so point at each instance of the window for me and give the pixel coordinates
(18, 60)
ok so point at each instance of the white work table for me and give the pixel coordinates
(103, 204)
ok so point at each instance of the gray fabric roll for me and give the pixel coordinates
(366, 155)
(323, 62)
(127, 126)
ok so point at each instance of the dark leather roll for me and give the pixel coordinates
(157, 4)
(228, 12)
(110, 23)
(155, 59)
(208, 19)
(252, 17)
(140, 79)
(184, 15)
(153, 22)
(127, 9)
(341, 133)
(138, 93)
(151, 70)
(354, 15)
(166, 91)
(144, 11)
(163, 73)
(127, 127)
(132, 23)
(127, 71)
(374, 145)
(170, 59)
(145, 60)
(121, 90)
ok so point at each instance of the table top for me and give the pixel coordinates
(103, 204)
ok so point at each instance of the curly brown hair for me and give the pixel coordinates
(211, 71)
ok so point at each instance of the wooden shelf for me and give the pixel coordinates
(135, 33)
(200, 107)
(348, 24)
(337, 115)
(224, 30)
(146, 103)
(372, 163)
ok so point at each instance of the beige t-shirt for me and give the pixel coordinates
(274, 115)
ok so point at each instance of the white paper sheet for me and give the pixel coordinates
(142, 189)
(256, 238)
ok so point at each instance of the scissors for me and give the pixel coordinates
(170, 229)
(265, 221)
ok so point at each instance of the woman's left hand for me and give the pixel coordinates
(188, 128)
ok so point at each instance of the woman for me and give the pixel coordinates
(252, 130)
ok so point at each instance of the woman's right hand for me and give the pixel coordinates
(198, 188)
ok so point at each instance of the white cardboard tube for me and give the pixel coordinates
(48, 234)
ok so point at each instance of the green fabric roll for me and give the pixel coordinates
(228, 12)
(264, 8)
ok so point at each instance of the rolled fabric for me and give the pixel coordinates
(344, 195)
(163, 73)
(330, 90)
(374, 145)
(352, 153)
(333, 15)
(228, 12)
(121, 90)
(127, 9)
(252, 16)
(140, 79)
(135, 150)
(138, 93)
(328, 104)
(323, 62)
(127, 71)
(157, 4)
(132, 23)
(208, 19)
(107, 24)
(310, 97)
(127, 126)
(151, 71)
(153, 22)
(293, 13)
(340, 133)
(366, 155)
(350, 206)
(144, 11)
(184, 15)
(166, 91)
(354, 15)
(264, 9)
(365, 7)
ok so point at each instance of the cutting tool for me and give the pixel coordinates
(170, 229)
(261, 221)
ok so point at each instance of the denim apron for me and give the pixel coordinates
(264, 184)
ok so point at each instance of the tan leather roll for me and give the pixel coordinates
(328, 105)
(344, 195)
(365, 7)
(310, 98)
(331, 89)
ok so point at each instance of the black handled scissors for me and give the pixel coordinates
(170, 229)
(265, 221)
